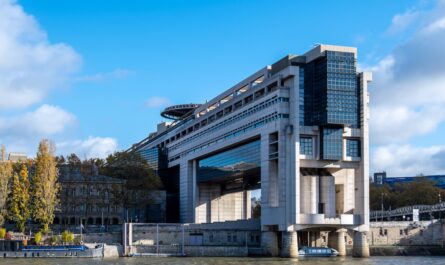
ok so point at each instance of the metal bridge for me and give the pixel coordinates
(426, 212)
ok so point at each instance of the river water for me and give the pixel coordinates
(230, 261)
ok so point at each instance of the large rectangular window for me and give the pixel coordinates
(332, 143)
(306, 146)
(353, 147)
(242, 162)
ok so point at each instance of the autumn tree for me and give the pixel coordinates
(5, 176)
(19, 199)
(419, 191)
(45, 187)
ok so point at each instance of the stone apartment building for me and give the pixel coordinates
(92, 199)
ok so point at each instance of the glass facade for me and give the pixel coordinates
(332, 143)
(152, 157)
(242, 162)
(353, 147)
(331, 94)
(301, 96)
(342, 93)
(306, 146)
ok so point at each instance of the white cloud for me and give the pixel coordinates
(93, 147)
(408, 97)
(22, 132)
(45, 121)
(157, 102)
(102, 77)
(30, 66)
(408, 92)
(400, 22)
(406, 160)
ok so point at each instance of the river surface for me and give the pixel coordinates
(230, 261)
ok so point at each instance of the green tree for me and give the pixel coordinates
(19, 198)
(45, 187)
(5, 177)
(419, 191)
(133, 168)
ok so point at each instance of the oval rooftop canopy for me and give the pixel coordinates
(179, 112)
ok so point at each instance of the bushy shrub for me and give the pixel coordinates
(2, 233)
(67, 237)
(54, 240)
(38, 237)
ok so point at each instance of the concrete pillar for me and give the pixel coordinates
(336, 241)
(360, 248)
(290, 245)
(269, 242)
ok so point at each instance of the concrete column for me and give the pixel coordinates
(290, 245)
(360, 248)
(336, 241)
(269, 242)
(130, 234)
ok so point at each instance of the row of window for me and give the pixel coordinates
(228, 98)
(261, 106)
(234, 133)
(92, 208)
(332, 146)
(227, 110)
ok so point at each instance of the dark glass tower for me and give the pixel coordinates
(331, 99)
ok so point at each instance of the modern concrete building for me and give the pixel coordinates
(295, 131)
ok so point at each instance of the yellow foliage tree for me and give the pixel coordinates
(18, 203)
(5, 176)
(45, 187)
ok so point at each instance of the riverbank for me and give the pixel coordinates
(407, 251)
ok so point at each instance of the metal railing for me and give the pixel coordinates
(406, 211)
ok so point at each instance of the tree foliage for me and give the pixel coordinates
(420, 191)
(133, 168)
(67, 237)
(38, 237)
(45, 187)
(5, 176)
(19, 199)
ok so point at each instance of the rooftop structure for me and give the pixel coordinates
(179, 112)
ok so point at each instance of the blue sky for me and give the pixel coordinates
(104, 69)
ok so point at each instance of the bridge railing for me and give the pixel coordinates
(407, 210)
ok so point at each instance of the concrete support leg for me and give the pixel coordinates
(360, 248)
(269, 242)
(290, 245)
(337, 241)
